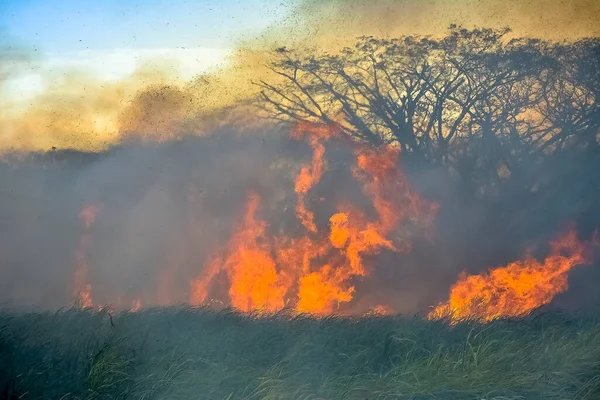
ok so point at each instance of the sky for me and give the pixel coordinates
(86, 61)
(111, 39)
(76, 25)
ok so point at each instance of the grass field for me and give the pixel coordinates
(184, 353)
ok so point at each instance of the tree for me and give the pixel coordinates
(473, 101)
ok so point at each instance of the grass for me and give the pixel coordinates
(186, 353)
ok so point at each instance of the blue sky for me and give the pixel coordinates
(111, 39)
(75, 25)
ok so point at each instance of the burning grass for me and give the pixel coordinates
(183, 353)
(315, 272)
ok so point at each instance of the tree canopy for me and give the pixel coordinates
(514, 122)
(510, 99)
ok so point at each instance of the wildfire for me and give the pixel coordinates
(516, 289)
(310, 175)
(313, 273)
(137, 305)
(82, 292)
(380, 310)
(316, 271)
(83, 289)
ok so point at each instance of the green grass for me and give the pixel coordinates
(185, 353)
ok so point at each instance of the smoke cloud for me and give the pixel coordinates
(76, 110)
(166, 208)
(170, 162)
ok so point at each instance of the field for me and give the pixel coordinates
(187, 353)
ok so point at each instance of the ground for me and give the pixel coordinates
(186, 353)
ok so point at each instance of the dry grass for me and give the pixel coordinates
(185, 353)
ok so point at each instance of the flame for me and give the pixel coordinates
(516, 289)
(307, 178)
(137, 305)
(83, 289)
(393, 198)
(311, 175)
(201, 285)
(313, 273)
(381, 310)
(255, 282)
(320, 291)
(316, 271)
(88, 215)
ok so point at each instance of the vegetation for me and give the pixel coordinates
(185, 353)
(508, 124)
(431, 96)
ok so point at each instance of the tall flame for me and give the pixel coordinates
(82, 291)
(82, 287)
(255, 282)
(316, 271)
(313, 273)
(309, 176)
(516, 289)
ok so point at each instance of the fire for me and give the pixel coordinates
(201, 285)
(88, 215)
(393, 198)
(305, 180)
(255, 282)
(516, 289)
(311, 175)
(381, 310)
(320, 291)
(316, 270)
(83, 289)
(313, 273)
(137, 305)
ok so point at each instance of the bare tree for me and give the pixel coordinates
(472, 95)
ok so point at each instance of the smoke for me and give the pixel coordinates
(340, 21)
(171, 162)
(74, 109)
(162, 206)
(77, 110)
(165, 209)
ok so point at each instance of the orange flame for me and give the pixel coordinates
(83, 289)
(516, 289)
(393, 198)
(381, 310)
(201, 285)
(306, 179)
(137, 305)
(313, 273)
(320, 291)
(255, 282)
(310, 176)
(317, 271)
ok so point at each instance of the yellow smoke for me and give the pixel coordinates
(78, 111)
(340, 20)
